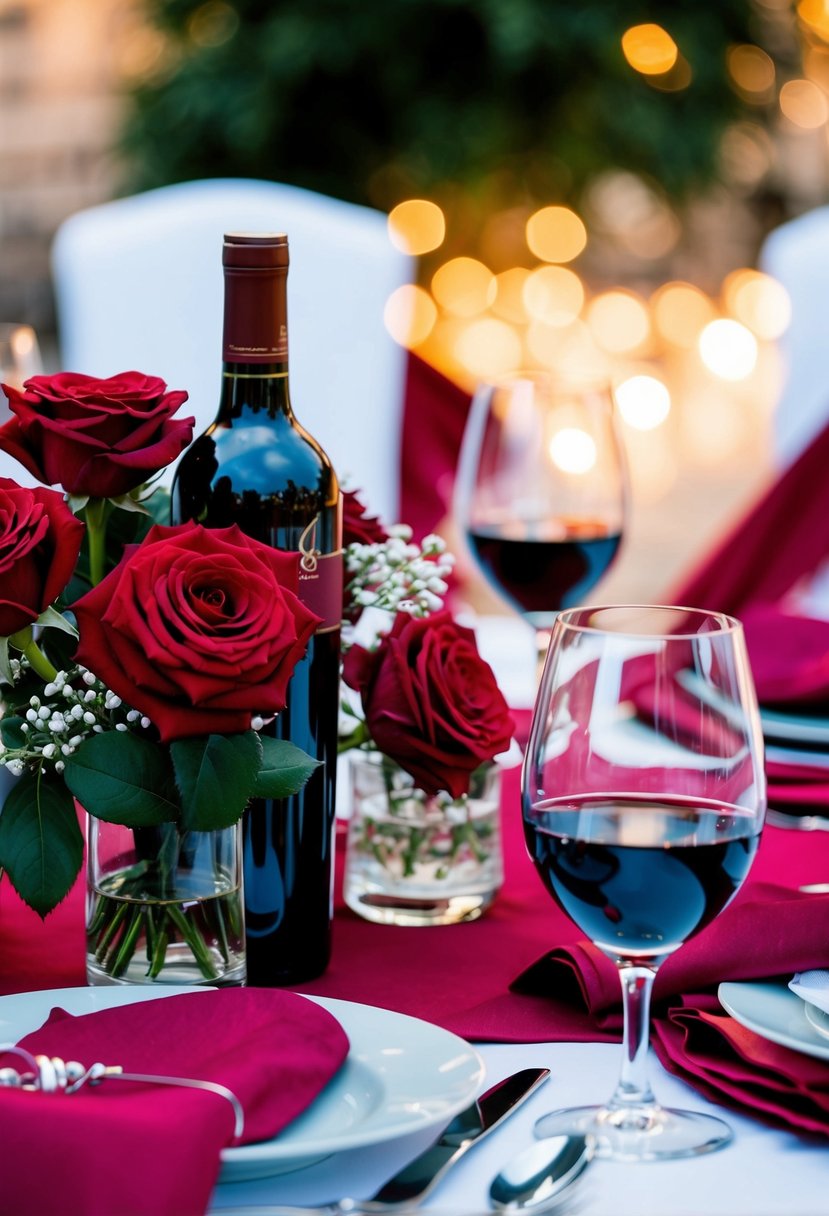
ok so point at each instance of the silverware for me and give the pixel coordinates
(797, 823)
(408, 1188)
(540, 1179)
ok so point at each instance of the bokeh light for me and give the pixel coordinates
(572, 450)
(752, 71)
(680, 312)
(464, 287)
(815, 14)
(758, 301)
(509, 298)
(488, 348)
(649, 49)
(804, 104)
(213, 23)
(416, 226)
(556, 234)
(746, 153)
(728, 349)
(619, 321)
(410, 315)
(644, 401)
(553, 295)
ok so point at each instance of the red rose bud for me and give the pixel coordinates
(100, 438)
(199, 629)
(430, 701)
(40, 540)
(358, 526)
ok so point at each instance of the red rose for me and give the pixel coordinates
(100, 438)
(358, 526)
(40, 540)
(200, 629)
(430, 701)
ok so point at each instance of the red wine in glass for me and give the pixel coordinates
(541, 576)
(643, 797)
(640, 875)
(540, 492)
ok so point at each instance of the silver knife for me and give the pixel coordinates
(414, 1182)
(417, 1179)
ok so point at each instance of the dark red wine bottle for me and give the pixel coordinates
(255, 466)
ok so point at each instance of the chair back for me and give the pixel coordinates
(138, 285)
(797, 255)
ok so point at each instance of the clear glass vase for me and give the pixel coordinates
(414, 858)
(164, 906)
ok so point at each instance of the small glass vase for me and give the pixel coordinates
(414, 858)
(164, 906)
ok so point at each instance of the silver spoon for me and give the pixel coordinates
(536, 1180)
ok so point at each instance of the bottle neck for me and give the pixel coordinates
(255, 332)
(255, 342)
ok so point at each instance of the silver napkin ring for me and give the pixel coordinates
(51, 1074)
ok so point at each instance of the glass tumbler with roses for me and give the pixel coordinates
(426, 721)
(138, 664)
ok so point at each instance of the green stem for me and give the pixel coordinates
(110, 932)
(24, 641)
(95, 513)
(159, 953)
(127, 947)
(194, 941)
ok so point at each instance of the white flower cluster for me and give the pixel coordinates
(398, 575)
(74, 706)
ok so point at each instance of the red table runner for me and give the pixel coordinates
(460, 976)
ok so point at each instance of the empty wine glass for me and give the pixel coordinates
(643, 795)
(540, 491)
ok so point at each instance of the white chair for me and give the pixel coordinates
(138, 285)
(797, 255)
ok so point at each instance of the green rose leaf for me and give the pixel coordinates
(121, 778)
(5, 661)
(215, 775)
(56, 620)
(41, 843)
(11, 733)
(285, 769)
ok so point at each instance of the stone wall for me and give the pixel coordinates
(58, 117)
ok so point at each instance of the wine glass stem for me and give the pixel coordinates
(633, 1088)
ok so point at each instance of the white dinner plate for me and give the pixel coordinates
(401, 1075)
(818, 1018)
(797, 728)
(773, 1011)
(799, 757)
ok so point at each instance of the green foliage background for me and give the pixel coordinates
(377, 100)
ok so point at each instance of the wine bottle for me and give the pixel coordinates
(255, 466)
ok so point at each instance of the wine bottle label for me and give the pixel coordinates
(320, 580)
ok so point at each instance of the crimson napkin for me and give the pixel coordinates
(698, 1041)
(789, 657)
(768, 930)
(129, 1149)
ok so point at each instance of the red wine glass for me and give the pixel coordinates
(540, 491)
(643, 796)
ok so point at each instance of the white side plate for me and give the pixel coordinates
(773, 1011)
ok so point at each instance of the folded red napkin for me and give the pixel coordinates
(131, 1148)
(729, 1064)
(789, 657)
(769, 930)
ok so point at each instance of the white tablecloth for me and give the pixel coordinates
(761, 1173)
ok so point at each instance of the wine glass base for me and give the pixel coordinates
(639, 1133)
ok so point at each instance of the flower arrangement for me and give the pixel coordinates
(140, 661)
(420, 700)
